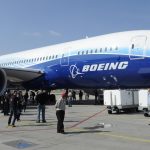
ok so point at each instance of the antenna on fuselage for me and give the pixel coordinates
(86, 37)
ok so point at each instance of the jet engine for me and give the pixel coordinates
(3, 81)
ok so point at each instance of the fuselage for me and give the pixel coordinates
(117, 60)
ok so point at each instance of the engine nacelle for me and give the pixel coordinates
(3, 81)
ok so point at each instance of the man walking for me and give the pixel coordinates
(13, 109)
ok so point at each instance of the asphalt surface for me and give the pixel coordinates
(87, 128)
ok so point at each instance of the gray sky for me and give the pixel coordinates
(27, 24)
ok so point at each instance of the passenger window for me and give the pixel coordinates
(82, 52)
(56, 56)
(78, 52)
(116, 48)
(105, 49)
(87, 52)
(49, 57)
(132, 46)
(91, 51)
(96, 51)
(100, 50)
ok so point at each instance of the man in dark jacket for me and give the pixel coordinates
(13, 109)
(41, 99)
(7, 96)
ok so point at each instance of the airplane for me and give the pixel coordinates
(113, 61)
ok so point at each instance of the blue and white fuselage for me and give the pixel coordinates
(117, 60)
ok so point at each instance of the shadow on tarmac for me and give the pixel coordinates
(128, 113)
(71, 121)
(37, 125)
(87, 131)
(29, 114)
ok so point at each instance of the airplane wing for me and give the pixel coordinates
(15, 75)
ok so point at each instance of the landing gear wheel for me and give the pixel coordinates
(109, 111)
(146, 114)
(117, 111)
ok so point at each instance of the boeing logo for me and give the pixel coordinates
(74, 71)
(105, 66)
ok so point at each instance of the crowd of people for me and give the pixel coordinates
(13, 103)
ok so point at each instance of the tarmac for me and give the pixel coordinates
(87, 127)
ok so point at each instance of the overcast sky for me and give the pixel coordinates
(28, 24)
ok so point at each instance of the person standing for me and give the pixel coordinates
(13, 109)
(5, 105)
(24, 104)
(69, 99)
(32, 97)
(20, 99)
(74, 94)
(41, 101)
(96, 96)
(26, 99)
(60, 113)
(80, 95)
(86, 96)
(7, 96)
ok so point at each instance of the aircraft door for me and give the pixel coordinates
(64, 60)
(137, 47)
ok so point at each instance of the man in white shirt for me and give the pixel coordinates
(60, 113)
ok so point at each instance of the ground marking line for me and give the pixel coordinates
(125, 137)
(80, 122)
